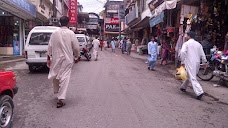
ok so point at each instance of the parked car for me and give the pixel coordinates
(83, 42)
(37, 45)
(8, 89)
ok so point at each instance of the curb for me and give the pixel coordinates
(10, 61)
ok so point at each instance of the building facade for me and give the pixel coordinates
(13, 17)
(111, 19)
(18, 17)
(172, 19)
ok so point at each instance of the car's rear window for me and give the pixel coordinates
(81, 39)
(39, 38)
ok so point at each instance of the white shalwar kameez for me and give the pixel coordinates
(96, 44)
(191, 55)
(63, 49)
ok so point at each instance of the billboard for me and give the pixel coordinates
(73, 12)
(112, 25)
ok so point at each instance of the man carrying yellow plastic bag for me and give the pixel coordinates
(191, 55)
(181, 74)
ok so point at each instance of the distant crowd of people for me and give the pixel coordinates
(124, 44)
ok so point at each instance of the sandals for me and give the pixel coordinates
(60, 104)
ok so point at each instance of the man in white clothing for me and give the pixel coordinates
(96, 44)
(63, 50)
(191, 55)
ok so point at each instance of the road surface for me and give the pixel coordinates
(117, 91)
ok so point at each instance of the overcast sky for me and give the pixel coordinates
(92, 5)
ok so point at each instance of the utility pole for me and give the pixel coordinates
(119, 28)
(121, 15)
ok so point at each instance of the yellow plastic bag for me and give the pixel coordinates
(181, 74)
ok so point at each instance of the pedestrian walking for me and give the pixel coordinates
(101, 44)
(129, 45)
(121, 44)
(191, 54)
(63, 49)
(96, 44)
(113, 44)
(165, 52)
(124, 45)
(105, 44)
(152, 52)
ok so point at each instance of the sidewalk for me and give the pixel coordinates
(220, 92)
(9, 59)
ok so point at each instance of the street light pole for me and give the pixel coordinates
(119, 29)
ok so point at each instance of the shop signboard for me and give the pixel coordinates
(24, 5)
(93, 21)
(92, 26)
(112, 27)
(112, 20)
(156, 20)
(170, 29)
(113, 5)
(16, 48)
(112, 24)
(73, 12)
(121, 13)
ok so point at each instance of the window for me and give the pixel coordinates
(81, 39)
(40, 38)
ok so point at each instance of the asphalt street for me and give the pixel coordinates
(117, 91)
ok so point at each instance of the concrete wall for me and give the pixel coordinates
(44, 8)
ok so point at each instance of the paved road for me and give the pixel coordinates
(116, 91)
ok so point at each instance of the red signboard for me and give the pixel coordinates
(112, 20)
(170, 29)
(73, 12)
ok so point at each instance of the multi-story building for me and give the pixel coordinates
(44, 11)
(172, 19)
(140, 18)
(60, 8)
(111, 19)
(18, 17)
(93, 25)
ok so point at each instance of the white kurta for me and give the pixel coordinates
(63, 48)
(95, 43)
(191, 55)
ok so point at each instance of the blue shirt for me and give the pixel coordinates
(153, 50)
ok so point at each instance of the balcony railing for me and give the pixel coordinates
(131, 16)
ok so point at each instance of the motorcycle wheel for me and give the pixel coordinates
(205, 75)
(88, 57)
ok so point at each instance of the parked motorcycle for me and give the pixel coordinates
(218, 66)
(85, 52)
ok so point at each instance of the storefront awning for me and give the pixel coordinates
(20, 8)
(156, 20)
(169, 4)
(142, 24)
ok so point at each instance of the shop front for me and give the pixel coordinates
(13, 14)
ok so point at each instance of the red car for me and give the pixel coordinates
(8, 89)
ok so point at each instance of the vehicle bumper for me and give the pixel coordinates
(36, 63)
(15, 90)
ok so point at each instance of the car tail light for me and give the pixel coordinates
(26, 55)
